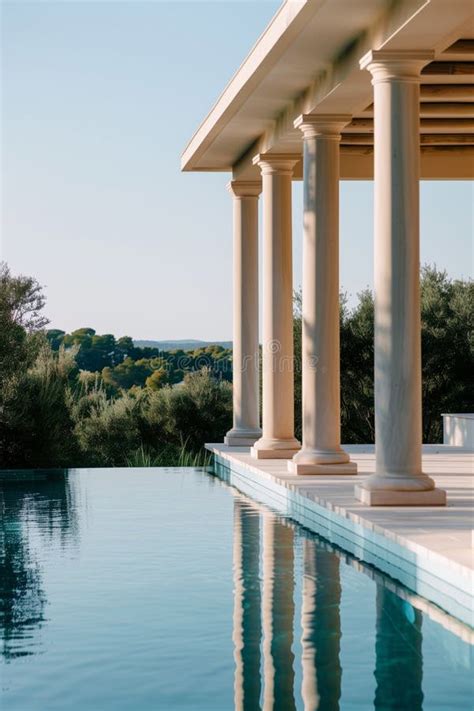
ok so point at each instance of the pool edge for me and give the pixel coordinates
(432, 576)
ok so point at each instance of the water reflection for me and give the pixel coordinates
(321, 629)
(44, 507)
(313, 628)
(264, 612)
(247, 600)
(267, 551)
(277, 614)
(399, 662)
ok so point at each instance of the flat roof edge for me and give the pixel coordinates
(289, 19)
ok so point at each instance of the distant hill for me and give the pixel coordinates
(190, 345)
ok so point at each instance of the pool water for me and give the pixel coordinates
(164, 589)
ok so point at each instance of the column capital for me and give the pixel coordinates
(245, 188)
(276, 163)
(322, 125)
(387, 65)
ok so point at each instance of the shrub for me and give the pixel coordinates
(196, 411)
(107, 431)
(36, 426)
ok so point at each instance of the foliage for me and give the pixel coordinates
(127, 374)
(36, 423)
(198, 410)
(123, 365)
(357, 370)
(33, 390)
(447, 342)
(106, 430)
(136, 407)
(90, 400)
(169, 457)
(447, 338)
(21, 322)
(168, 426)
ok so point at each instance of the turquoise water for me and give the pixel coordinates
(152, 589)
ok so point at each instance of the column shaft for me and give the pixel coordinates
(321, 452)
(278, 439)
(398, 478)
(245, 430)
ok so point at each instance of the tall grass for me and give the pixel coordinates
(169, 457)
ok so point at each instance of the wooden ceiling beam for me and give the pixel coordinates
(461, 46)
(448, 68)
(433, 150)
(447, 92)
(430, 139)
(429, 125)
(436, 163)
(438, 109)
(447, 109)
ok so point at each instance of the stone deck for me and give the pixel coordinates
(428, 549)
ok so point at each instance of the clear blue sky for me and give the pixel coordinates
(99, 99)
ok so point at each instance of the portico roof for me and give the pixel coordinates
(307, 61)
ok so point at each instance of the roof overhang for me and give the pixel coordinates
(307, 61)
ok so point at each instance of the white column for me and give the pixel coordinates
(278, 440)
(398, 478)
(245, 356)
(321, 452)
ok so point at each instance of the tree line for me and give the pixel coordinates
(122, 365)
(83, 399)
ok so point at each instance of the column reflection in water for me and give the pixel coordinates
(398, 649)
(321, 629)
(278, 611)
(247, 632)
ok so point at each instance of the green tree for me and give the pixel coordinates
(37, 429)
(55, 337)
(95, 352)
(124, 348)
(157, 379)
(447, 338)
(21, 322)
(128, 374)
(357, 370)
(447, 328)
(196, 411)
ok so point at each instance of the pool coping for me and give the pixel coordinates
(430, 574)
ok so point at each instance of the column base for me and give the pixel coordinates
(387, 497)
(242, 438)
(322, 461)
(295, 467)
(399, 490)
(275, 448)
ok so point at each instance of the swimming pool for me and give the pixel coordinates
(151, 589)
